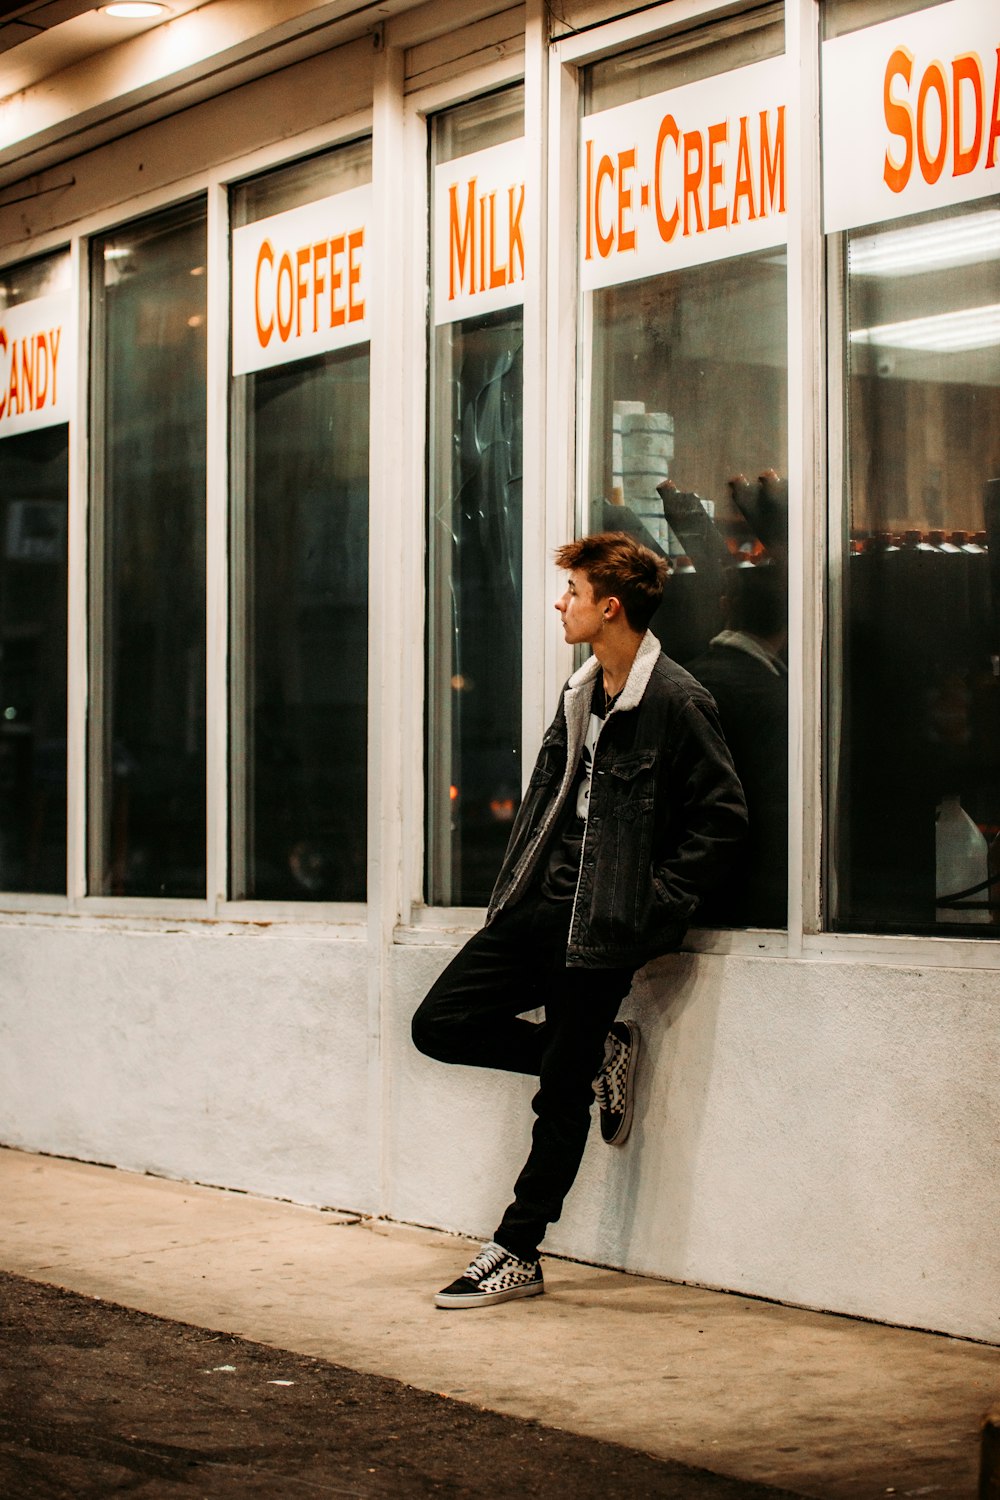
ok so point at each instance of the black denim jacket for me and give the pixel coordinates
(666, 814)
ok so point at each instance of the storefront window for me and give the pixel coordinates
(36, 377)
(914, 701)
(300, 531)
(918, 808)
(147, 698)
(684, 410)
(475, 506)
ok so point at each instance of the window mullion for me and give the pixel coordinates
(534, 611)
(78, 634)
(805, 470)
(217, 589)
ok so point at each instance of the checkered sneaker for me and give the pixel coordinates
(494, 1275)
(613, 1086)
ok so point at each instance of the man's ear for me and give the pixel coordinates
(611, 606)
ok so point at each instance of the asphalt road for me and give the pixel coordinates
(98, 1400)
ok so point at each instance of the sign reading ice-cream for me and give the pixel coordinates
(692, 175)
(300, 282)
(37, 364)
(911, 114)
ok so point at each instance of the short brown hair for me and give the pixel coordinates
(615, 563)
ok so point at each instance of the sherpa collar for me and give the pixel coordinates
(638, 678)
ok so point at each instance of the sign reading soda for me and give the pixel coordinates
(911, 114)
(300, 284)
(37, 364)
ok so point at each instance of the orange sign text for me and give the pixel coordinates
(311, 288)
(29, 382)
(697, 184)
(941, 117)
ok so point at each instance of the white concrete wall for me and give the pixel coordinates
(240, 1061)
(815, 1132)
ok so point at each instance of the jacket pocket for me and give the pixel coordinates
(550, 760)
(617, 884)
(631, 786)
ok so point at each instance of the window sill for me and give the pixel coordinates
(346, 920)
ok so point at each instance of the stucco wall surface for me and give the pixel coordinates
(813, 1132)
(239, 1061)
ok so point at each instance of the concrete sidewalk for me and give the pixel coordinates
(822, 1405)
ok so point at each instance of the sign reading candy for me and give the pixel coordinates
(37, 364)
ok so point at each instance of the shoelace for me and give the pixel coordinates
(601, 1091)
(489, 1257)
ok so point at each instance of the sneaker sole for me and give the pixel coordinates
(621, 1134)
(488, 1299)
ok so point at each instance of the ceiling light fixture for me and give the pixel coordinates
(134, 10)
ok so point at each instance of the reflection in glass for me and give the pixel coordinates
(33, 578)
(33, 480)
(306, 603)
(685, 57)
(685, 423)
(916, 762)
(300, 597)
(474, 566)
(687, 398)
(147, 722)
(841, 16)
(475, 713)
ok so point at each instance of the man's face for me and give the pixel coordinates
(582, 614)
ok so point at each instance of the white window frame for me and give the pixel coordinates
(397, 125)
(898, 948)
(32, 902)
(418, 922)
(815, 442)
(347, 914)
(569, 350)
(83, 632)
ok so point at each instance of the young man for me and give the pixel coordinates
(633, 811)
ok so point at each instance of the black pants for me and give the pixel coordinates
(474, 1015)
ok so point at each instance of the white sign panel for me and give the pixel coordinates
(300, 282)
(479, 227)
(911, 114)
(691, 175)
(37, 364)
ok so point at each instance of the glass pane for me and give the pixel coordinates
(685, 432)
(147, 729)
(842, 16)
(33, 502)
(300, 593)
(917, 765)
(474, 567)
(685, 57)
